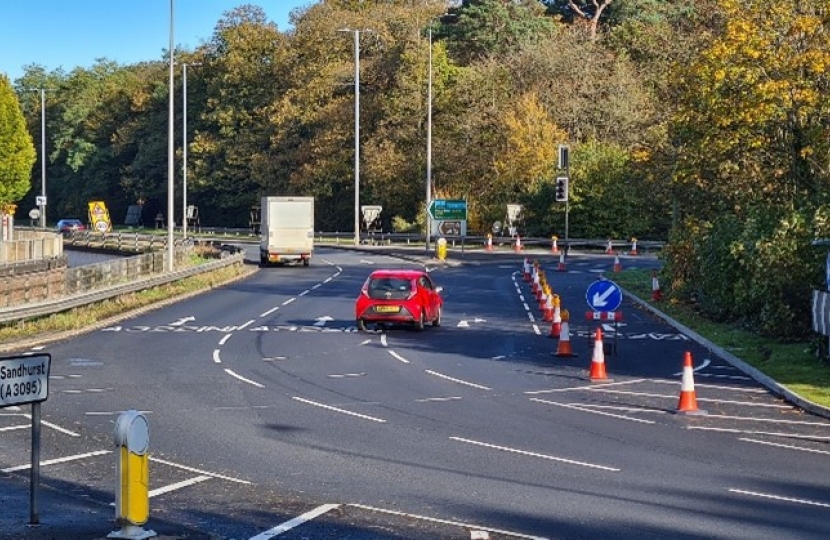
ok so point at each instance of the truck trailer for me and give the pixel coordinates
(287, 230)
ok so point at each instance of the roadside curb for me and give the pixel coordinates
(768, 382)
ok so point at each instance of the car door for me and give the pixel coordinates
(430, 305)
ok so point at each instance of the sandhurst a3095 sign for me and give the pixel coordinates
(24, 379)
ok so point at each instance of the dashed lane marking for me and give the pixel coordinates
(398, 357)
(235, 375)
(346, 375)
(435, 399)
(458, 381)
(535, 454)
(768, 433)
(779, 498)
(588, 410)
(216, 358)
(225, 339)
(338, 410)
(297, 521)
(787, 446)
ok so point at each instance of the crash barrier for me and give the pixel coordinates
(116, 284)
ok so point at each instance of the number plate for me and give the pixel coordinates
(387, 309)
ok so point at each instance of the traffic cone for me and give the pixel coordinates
(564, 347)
(556, 325)
(656, 295)
(526, 271)
(547, 315)
(561, 266)
(554, 248)
(598, 360)
(617, 265)
(534, 282)
(489, 245)
(518, 246)
(633, 247)
(687, 404)
(609, 249)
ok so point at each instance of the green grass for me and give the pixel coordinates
(794, 365)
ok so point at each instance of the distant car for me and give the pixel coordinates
(69, 226)
(399, 297)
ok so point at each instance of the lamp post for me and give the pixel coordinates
(184, 145)
(170, 154)
(429, 139)
(42, 207)
(356, 131)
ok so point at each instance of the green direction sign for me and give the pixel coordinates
(443, 209)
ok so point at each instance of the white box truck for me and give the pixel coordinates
(287, 230)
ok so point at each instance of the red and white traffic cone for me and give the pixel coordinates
(656, 295)
(561, 266)
(633, 247)
(534, 282)
(598, 360)
(526, 271)
(617, 265)
(564, 348)
(554, 248)
(687, 404)
(518, 245)
(556, 324)
(489, 245)
(609, 248)
(547, 314)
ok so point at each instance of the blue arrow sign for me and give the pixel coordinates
(604, 295)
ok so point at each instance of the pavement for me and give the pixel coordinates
(67, 511)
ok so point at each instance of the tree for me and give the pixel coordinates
(17, 151)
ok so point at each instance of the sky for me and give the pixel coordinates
(75, 33)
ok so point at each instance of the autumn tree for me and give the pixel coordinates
(17, 151)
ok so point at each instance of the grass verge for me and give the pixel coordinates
(794, 365)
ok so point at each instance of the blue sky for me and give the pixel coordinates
(74, 33)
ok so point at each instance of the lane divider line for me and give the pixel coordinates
(296, 522)
(341, 411)
(236, 375)
(787, 446)
(398, 357)
(216, 358)
(779, 498)
(459, 381)
(225, 339)
(767, 433)
(199, 471)
(601, 413)
(535, 454)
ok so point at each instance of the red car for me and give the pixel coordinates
(399, 297)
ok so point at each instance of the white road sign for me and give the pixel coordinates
(24, 379)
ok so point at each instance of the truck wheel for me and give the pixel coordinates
(361, 325)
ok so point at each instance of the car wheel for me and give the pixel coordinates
(361, 325)
(419, 325)
(437, 320)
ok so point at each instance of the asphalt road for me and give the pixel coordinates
(270, 412)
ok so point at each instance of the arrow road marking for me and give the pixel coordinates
(182, 321)
(602, 299)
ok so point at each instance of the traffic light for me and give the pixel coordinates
(563, 156)
(562, 188)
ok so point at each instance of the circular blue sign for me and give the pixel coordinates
(604, 295)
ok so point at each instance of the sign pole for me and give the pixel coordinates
(34, 514)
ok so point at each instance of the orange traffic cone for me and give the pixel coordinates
(564, 347)
(598, 360)
(687, 404)
(554, 249)
(534, 282)
(561, 266)
(633, 246)
(489, 245)
(547, 314)
(518, 245)
(617, 265)
(656, 295)
(526, 271)
(556, 325)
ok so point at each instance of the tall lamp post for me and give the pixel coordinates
(170, 154)
(356, 131)
(429, 139)
(42, 197)
(184, 146)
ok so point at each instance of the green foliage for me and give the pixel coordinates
(17, 151)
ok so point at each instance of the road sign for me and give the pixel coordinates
(40, 200)
(24, 379)
(604, 295)
(452, 227)
(443, 210)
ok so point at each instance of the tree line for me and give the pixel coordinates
(701, 122)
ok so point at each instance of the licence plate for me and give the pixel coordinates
(387, 309)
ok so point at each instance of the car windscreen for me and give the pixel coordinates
(389, 288)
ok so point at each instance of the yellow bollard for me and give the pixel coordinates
(441, 249)
(132, 494)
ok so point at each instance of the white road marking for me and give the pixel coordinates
(702, 366)
(243, 379)
(12, 428)
(346, 375)
(368, 341)
(705, 400)
(216, 356)
(225, 339)
(199, 471)
(399, 357)
(601, 413)
(779, 498)
(527, 308)
(787, 446)
(38, 348)
(445, 522)
(270, 311)
(769, 433)
(316, 286)
(531, 317)
(297, 521)
(536, 329)
(535, 454)
(479, 535)
(383, 340)
(522, 299)
(327, 280)
(274, 358)
(714, 386)
(459, 381)
(177, 485)
(56, 461)
(433, 399)
(572, 388)
(728, 377)
(618, 408)
(463, 324)
(770, 420)
(246, 325)
(290, 300)
(335, 409)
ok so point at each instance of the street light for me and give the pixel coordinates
(42, 207)
(356, 131)
(429, 138)
(184, 145)
(170, 154)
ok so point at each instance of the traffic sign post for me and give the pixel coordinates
(25, 379)
(604, 297)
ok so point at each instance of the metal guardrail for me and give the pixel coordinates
(47, 307)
